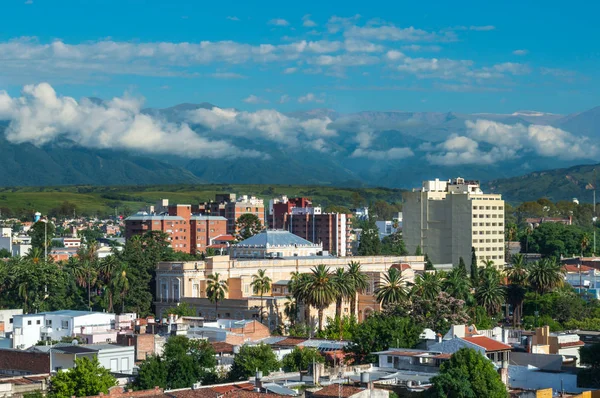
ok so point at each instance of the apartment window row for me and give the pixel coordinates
(488, 207)
(488, 215)
(500, 257)
(489, 249)
(487, 224)
(496, 232)
(488, 240)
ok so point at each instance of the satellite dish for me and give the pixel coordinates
(75, 342)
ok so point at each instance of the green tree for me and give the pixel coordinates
(5, 253)
(393, 245)
(183, 309)
(490, 292)
(344, 289)
(590, 357)
(545, 275)
(247, 225)
(428, 285)
(38, 231)
(457, 284)
(261, 284)
(517, 274)
(251, 358)
(393, 289)
(301, 358)
(467, 374)
(428, 264)
(359, 282)
(418, 251)
(474, 267)
(290, 309)
(85, 379)
(339, 329)
(379, 332)
(320, 289)
(370, 244)
(215, 290)
(152, 372)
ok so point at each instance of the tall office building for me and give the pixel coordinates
(449, 218)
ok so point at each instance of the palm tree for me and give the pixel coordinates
(584, 243)
(457, 284)
(106, 272)
(517, 275)
(261, 284)
(215, 290)
(120, 283)
(545, 275)
(428, 285)
(88, 267)
(320, 290)
(360, 282)
(490, 292)
(344, 289)
(291, 309)
(297, 287)
(393, 288)
(35, 255)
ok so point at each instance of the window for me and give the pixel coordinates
(114, 365)
(65, 324)
(389, 359)
(38, 322)
(29, 323)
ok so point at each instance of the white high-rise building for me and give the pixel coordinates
(448, 218)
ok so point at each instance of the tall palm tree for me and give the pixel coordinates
(517, 274)
(428, 285)
(290, 309)
(393, 289)
(344, 289)
(490, 292)
(360, 282)
(320, 290)
(88, 267)
(457, 284)
(215, 290)
(35, 255)
(584, 243)
(120, 283)
(545, 275)
(261, 284)
(106, 272)
(296, 289)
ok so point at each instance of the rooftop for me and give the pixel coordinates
(274, 238)
(336, 390)
(487, 343)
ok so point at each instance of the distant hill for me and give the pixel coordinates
(557, 184)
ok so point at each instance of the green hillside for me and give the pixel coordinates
(91, 200)
(557, 184)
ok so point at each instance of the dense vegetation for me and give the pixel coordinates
(97, 200)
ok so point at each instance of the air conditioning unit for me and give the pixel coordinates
(196, 386)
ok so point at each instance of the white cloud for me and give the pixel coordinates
(420, 48)
(40, 116)
(310, 97)
(289, 71)
(389, 32)
(389, 154)
(353, 45)
(344, 60)
(307, 22)
(253, 99)
(266, 123)
(458, 150)
(279, 22)
(520, 52)
(233, 18)
(284, 98)
(482, 28)
(394, 55)
(227, 75)
(336, 23)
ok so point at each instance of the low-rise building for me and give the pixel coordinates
(274, 244)
(7, 321)
(29, 329)
(116, 358)
(565, 344)
(180, 281)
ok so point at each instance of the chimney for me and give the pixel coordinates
(503, 372)
(258, 380)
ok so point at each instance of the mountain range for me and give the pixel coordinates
(390, 149)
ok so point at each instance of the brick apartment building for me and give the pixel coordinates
(298, 216)
(232, 207)
(188, 232)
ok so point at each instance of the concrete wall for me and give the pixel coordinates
(7, 316)
(522, 377)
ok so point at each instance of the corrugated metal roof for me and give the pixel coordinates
(274, 238)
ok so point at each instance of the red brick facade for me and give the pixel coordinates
(231, 207)
(187, 232)
(20, 362)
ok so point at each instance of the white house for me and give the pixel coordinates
(48, 326)
(116, 358)
(7, 319)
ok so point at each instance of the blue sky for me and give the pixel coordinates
(468, 56)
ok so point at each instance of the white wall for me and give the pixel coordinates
(27, 330)
(6, 316)
(118, 359)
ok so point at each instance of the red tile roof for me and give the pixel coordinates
(575, 268)
(334, 391)
(401, 267)
(572, 344)
(224, 238)
(487, 343)
(233, 388)
(407, 353)
(222, 347)
(291, 341)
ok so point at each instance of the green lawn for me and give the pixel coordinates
(102, 200)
